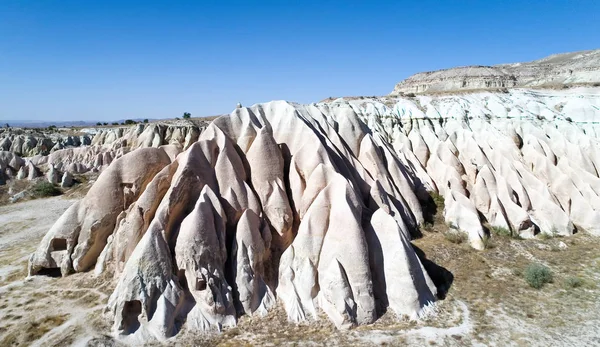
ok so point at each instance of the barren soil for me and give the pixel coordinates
(488, 302)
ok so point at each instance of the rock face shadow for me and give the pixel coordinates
(441, 277)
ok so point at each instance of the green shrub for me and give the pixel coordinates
(500, 231)
(45, 189)
(573, 282)
(438, 200)
(537, 275)
(455, 237)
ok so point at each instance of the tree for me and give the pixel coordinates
(145, 120)
(8, 126)
(129, 122)
(187, 115)
(104, 123)
(98, 123)
(115, 123)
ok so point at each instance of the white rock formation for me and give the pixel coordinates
(260, 205)
(314, 205)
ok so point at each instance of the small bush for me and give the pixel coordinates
(500, 231)
(537, 275)
(573, 282)
(455, 237)
(438, 200)
(45, 189)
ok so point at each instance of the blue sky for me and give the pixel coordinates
(108, 60)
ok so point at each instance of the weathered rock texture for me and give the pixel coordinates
(314, 206)
(56, 154)
(555, 70)
(302, 202)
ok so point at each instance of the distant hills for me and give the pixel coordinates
(45, 124)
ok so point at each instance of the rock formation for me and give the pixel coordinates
(258, 206)
(313, 207)
(55, 154)
(554, 71)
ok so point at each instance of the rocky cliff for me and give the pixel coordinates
(578, 68)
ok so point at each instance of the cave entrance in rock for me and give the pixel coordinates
(59, 245)
(50, 272)
(130, 316)
(200, 283)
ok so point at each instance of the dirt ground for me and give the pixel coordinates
(487, 301)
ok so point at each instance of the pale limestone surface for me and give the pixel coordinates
(314, 206)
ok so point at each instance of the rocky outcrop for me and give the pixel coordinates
(525, 161)
(554, 71)
(27, 143)
(54, 154)
(259, 206)
(11, 165)
(313, 207)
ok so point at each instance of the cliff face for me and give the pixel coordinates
(555, 70)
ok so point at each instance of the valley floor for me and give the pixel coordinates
(488, 302)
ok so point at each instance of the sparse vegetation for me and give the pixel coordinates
(573, 282)
(537, 275)
(488, 243)
(45, 189)
(547, 236)
(451, 225)
(504, 232)
(500, 231)
(455, 237)
(438, 200)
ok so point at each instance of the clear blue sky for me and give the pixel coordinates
(107, 60)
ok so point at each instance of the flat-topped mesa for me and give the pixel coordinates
(577, 68)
